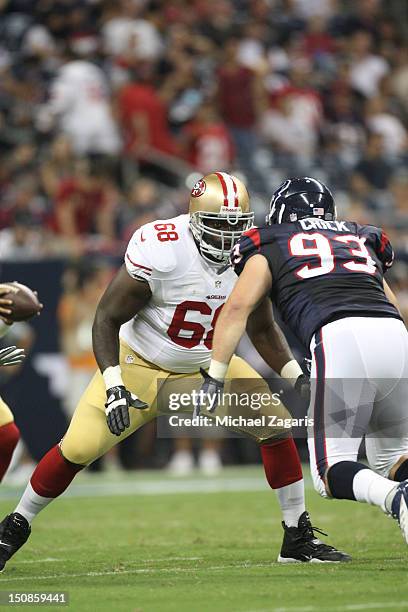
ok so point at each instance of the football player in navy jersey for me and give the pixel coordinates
(326, 278)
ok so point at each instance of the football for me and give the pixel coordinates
(25, 302)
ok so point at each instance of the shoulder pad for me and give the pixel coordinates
(145, 248)
(162, 254)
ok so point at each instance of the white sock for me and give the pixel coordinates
(31, 503)
(292, 502)
(370, 487)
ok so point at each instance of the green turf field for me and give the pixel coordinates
(152, 543)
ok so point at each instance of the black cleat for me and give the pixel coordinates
(300, 545)
(14, 532)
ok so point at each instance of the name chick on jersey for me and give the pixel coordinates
(336, 226)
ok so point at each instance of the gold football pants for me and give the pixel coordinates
(88, 436)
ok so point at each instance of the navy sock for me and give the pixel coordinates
(402, 472)
(340, 478)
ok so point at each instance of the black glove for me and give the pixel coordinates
(118, 402)
(302, 386)
(209, 393)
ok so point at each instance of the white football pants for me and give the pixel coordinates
(359, 388)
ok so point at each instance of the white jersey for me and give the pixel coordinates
(80, 97)
(174, 330)
(80, 87)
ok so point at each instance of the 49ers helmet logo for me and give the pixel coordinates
(198, 189)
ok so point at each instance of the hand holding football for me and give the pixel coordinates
(25, 302)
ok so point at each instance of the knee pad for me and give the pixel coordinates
(76, 454)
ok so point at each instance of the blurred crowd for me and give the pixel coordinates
(107, 105)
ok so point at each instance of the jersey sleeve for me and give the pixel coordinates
(248, 245)
(137, 260)
(146, 258)
(383, 248)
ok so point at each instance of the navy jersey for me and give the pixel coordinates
(321, 271)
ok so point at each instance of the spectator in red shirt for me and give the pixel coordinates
(241, 99)
(208, 142)
(317, 41)
(236, 90)
(84, 204)
(143, 116)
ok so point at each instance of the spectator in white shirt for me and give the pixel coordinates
(380, 121)
(367, 69)
(126, 32)
(80, 102)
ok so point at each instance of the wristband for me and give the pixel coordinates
(113, 377)
(291, 371)
(218, 370)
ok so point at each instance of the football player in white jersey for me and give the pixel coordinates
(153, 328)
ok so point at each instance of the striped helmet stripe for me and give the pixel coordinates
(229, 188)
(235, 192)
(282, 210)
(224, 186)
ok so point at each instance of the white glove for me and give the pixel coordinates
(11, 355)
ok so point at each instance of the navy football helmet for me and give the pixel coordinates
(299, 198)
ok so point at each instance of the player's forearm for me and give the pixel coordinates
(250, 290)
(270, 342)
(122, 300)
(272, 346)
(105, 340)
(228, 331)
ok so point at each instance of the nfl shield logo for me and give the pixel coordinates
(218, 284)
